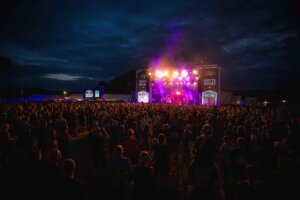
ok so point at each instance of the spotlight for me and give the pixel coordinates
(175, 74)
(166, 73)
(184, 73)
(195, 72)
(158, 74)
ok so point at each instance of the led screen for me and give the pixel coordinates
(89, 94)
(97, 93)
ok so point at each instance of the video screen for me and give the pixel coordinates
(143, 96)
(89, 94)
(97, 93)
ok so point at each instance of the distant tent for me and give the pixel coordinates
(117, 97)
(45, 97)
(106, 97)
(77, 97)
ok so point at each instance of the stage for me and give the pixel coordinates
(179, 86)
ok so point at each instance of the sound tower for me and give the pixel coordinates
(142, 86)
(209, 86)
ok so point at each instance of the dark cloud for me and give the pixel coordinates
(61, 44)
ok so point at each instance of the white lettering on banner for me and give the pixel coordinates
(142, 83)
(209, 81)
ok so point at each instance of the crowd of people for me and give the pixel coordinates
(140, 150)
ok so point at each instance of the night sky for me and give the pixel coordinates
(70, 44)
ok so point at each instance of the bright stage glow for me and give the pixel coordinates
(184, 73)
(175, 74)
(178, 85)
(159, 74)
(174, 85)
(166, 73)
(178, 93)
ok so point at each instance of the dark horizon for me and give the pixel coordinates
(69, 45)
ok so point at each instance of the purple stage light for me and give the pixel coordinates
(176, 86)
